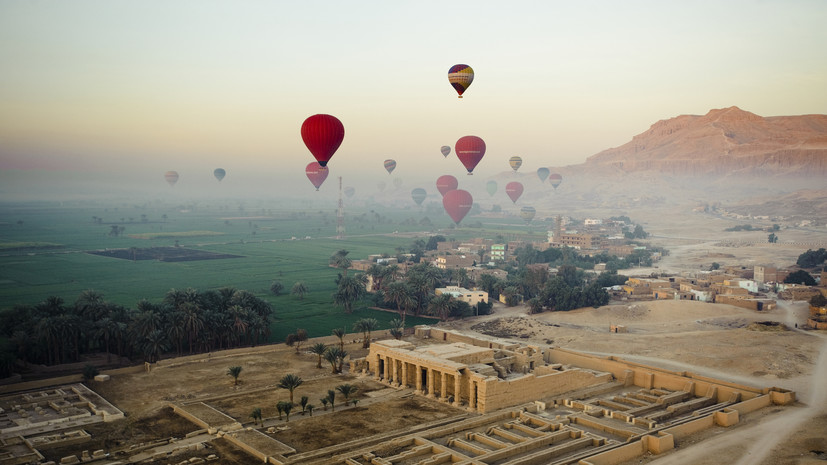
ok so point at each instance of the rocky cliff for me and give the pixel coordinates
(724, 142)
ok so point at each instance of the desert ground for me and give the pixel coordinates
(721, 341)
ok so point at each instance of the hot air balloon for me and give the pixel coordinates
(171, 177)
(322, 134)
(418, 195)
(446, 150)
(491, 187)
(219, 174)
(390, 165)
(316, 173)
(527, 213)
(381, 186)
(457, 203)
(514, 190)
(349, 191)
(515, 163)
(555, 180)
(446, 183)
(460, 76)
(542, 173)
(470, 150)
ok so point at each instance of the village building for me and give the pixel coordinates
(464, 295)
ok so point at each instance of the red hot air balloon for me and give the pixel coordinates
(470, 150)
(316, 173)
(446, 183)
(457, 203)
(514, 190)
(322, 134)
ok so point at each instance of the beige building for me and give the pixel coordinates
(464, 295)
(453, 262)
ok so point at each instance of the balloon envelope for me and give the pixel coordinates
(514, 190)
(418, 195)
(527, 213)
(460, 77)
(349, 191)
(457, 203)
(491, 187)
(470, 150)
(219, 173)
(515, 163)
(555, 180)
(446, 183)
(316, 173)
(542, 173)
(390, 165)
(446, 150)
(322, 134)
(171, 177)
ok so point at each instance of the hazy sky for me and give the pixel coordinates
(130, 89)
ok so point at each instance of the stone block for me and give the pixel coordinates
(69, 460)
(101, 378)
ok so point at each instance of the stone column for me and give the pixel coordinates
(443, 391)
(472, 395)
(404, 382)
(430, 386)
(387, 369)
(376, 373)
(457, 388)
(418, 380)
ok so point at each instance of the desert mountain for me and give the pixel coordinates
(724, 142)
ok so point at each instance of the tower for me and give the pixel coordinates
(340, 214)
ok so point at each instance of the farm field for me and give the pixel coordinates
(48, 249)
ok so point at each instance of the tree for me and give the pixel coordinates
(340, 333)
(299, 289)
(331, 397)
(818, 300)
(256, 416)
(365, 326)
(324, 401)
(290, 382)
(234, 371)
(351, 289)
(335, 356)
(772, 238)
(441, 305)
(296, 339)
(276, 288)
(287, 407)
(303, 402)
(800, 277)
(318, 349)
(402, 295)
(535, 305)
(280, 407)
(340, 260)
(397, 328)
(347, 390)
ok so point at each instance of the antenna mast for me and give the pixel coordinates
(340, 214)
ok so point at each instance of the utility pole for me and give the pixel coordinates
(340, 214)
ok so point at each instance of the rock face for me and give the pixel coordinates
(724, 142)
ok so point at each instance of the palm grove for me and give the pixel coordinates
(192, 321)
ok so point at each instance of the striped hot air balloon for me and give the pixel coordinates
(515, 163)
(460, 77)
(390, 165)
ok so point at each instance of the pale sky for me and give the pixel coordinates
(135, 88)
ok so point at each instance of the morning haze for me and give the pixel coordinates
(633, 273)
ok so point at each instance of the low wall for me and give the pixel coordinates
(495, 393)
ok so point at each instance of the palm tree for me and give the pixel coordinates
(193, 323)
(310, 408)
(331, 397)
(441, 306)
(234, 372)
(397, 328)
(365, 326)
(154, 344)
(280, 407)
(340, 333)
(287, 407)
(336, 357)
(319, 349)
(347, 390)
(351, 289)
(299, 289)
(276, 288)
(303, 402)
(324, 401)
(47, 330)
(290, 382)
(106, 329)
(256, 416)
(400, 294)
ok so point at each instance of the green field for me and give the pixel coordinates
(274, 245)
